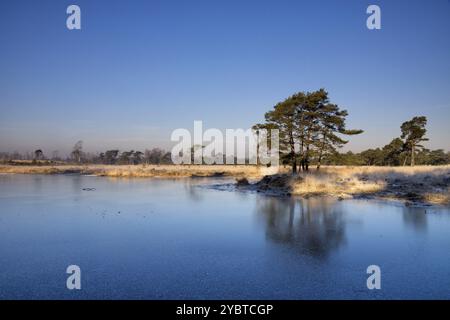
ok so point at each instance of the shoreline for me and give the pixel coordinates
(412, 186)
(143, 171)
(422, 186)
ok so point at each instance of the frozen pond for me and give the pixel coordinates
(176, 239)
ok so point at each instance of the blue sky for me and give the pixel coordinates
(139, 69)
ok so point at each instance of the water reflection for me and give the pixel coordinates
(192, 190)
(415, 218)
(195, 188)
(37, 181)
(313, 226)
(210, 234)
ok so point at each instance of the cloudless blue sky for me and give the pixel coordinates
(139, 69)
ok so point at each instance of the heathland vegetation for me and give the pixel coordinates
(311, 132)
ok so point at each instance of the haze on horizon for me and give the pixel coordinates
(137, 71)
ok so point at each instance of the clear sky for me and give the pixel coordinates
(139, 69)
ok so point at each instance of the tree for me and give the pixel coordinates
(157, 156)
(308, 125)
(126, 157)
(38, 154)
(167, 158)
(307, 120)
(111, 156)
(282, 117)
(137, 157)
(413, 132)
(438, 157)
(77, 151)
(196, 148)
(392, 152)
(431, 157)
(372, 157)
(258, 129)
(331, 121)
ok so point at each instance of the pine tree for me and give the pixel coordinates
(413, 132)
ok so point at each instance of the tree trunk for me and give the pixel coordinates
(257, 149)
(319, 162)
(302, 143)
(308, 136)
(321, 152)
(412, 156)
(301, 165)
(294, 161)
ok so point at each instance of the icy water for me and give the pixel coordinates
(177, 239)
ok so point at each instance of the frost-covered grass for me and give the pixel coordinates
(421, 183)
(143, 170)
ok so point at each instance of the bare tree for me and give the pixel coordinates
(77, 151)
(55, 155)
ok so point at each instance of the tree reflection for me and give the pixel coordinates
(415, 218)
(312, 226)
(192, 190)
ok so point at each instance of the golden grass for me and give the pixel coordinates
(428, 184)
(315, 184)
(387, 172)
(171, 171)
(39, 169)
(438, 198)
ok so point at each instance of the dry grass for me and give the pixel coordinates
(22, 169)
(417, 172)
(427, 184)
(171, 171)
(182, 171)
(438, 198)
(316, 184)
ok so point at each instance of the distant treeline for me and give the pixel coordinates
(132, 157)
(392, 154)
